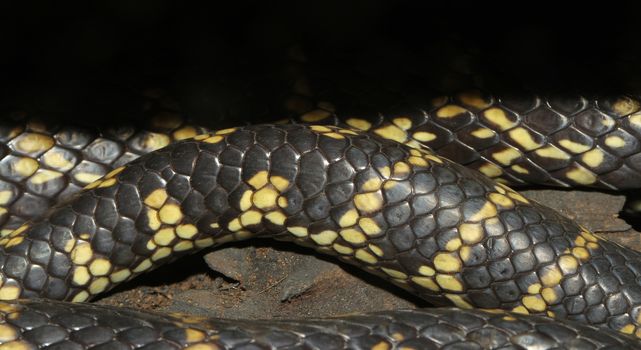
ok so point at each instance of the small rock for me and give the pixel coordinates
(230, 262)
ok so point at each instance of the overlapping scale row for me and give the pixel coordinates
(529, 139)
(43, 163)
(55, 325)
(424, 223)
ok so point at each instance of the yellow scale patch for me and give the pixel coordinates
(449, 282)
(185, 132)
(551, 151)
(471, 233)
(447, 262)
(418, 161)
(353, 236)
(360, 124)
(376, 249)
(87, 178)
(401, 169)
(506, 156)
(450, 111)
(369, 226)
(474, 99)
(614, 142)
(99, 285)
(499, 118)
(157, 198)
(153, 141)
(524, 138)
(34, 143)
(5, 196)
(573, 146)
(426, 282)
(57, 160)
(106, 181)
(593, 158)
(635, 120)
(483, 133)
(164, 237)
(424, 136)
(24, 166)
(335, 133)
(459, 301)
(100, 267)
(491, 170)
(315, 116)
(349, 218)
(326, 237)
(10, 292)
(392, 132)
(7, 333)
(501, 200)
(368, 202)
(394, 273)
(488, 210)
(516, 196)
(170, 214)
(120, 276)
(214, 139)
(365, 256)
(194, 335)
(403, 122)
(519, 169)
(625, 105)
(342, 249)
(82, 253)
(581, 176)
(298, 231)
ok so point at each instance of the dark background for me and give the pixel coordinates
(84, 61)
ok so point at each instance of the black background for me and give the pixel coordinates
(79, 59)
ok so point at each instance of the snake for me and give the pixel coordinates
(84, 210)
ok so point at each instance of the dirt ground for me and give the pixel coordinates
(268, 279)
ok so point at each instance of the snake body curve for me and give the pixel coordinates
(530, 139)
(418, 220)
(563, 142)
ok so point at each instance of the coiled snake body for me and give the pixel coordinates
(373, 197)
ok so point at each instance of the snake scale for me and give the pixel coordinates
(368, 190)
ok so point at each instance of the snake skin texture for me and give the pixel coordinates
(529, 139)
(63, 326)
(424, 223)
(43, 163)
(559, 142)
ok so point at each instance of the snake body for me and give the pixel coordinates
(426, 224)
(56, 325)
(557, 141)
